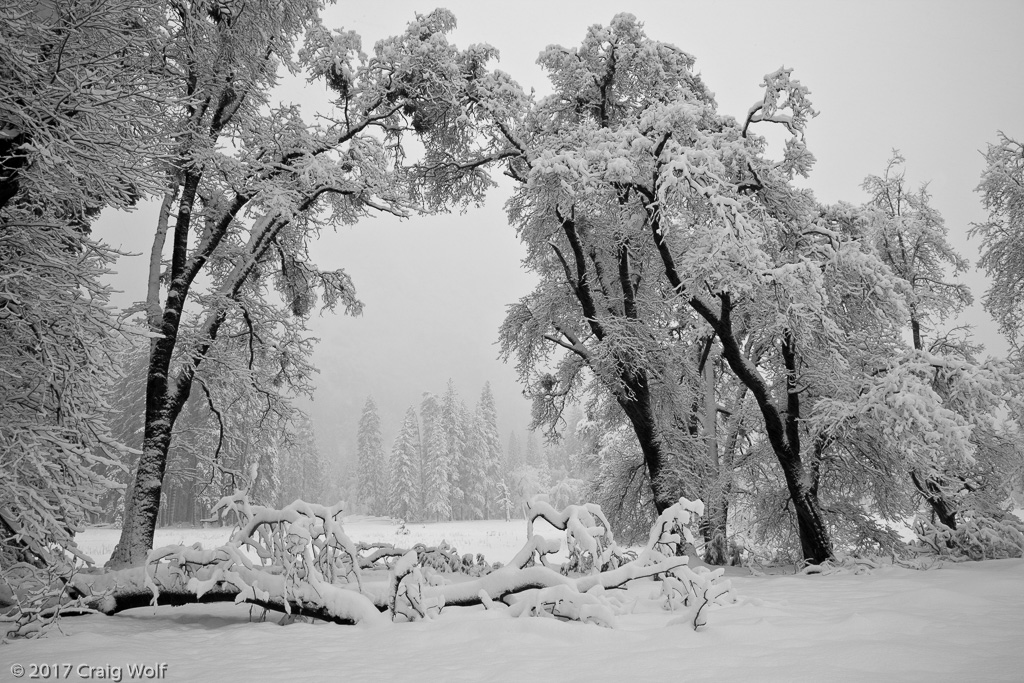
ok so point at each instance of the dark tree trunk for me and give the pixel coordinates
(163, 401)
(637, 407)
(815, 541)
(137, 532)
(940, 505)
(635, 399)
(782, 429)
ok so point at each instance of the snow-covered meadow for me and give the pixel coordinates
(960, 622)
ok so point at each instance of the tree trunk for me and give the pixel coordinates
(815, 541)
(144, 498)
(716, 549)
(940, 505)
(714, 527)
(637, 407)
(783, 429)
(162, 410)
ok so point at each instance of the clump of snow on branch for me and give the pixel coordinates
(588, 535)
(693, 589)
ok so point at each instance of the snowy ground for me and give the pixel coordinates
(959, 623)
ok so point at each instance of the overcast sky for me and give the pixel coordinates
(935, 80)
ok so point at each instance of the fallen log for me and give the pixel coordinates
(115, 591)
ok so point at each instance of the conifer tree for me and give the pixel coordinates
(454, 420)
(436, 465)
(532, 457)
(405, 488)
(490, 449)
(372, 475)
(473, 482)
(511, 475)
(513, 454)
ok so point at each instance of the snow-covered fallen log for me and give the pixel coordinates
(300, 561)
(182, 582)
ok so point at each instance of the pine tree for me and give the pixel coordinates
(513, 454)
(490, 449)
(511, 489)
(454, 420)
(373, 483)
(533, 452)
(436, 464)
(406, 490)
(304, 468)
(472, 474)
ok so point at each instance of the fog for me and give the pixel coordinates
(935, 80)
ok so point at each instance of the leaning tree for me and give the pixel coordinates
(249, 187)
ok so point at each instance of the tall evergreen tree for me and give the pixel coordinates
(303, 465)
(373, 473)
(513, 454)
(472, 479)
(532, 457)
(511, 488)
(454, 420)
(436, 464)
(406, 490)
(489, 450)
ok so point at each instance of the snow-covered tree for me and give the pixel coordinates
(910, 237)
(435, 464)
(406, 460)
(304, 469)
(464, 490)
(1002, 255)
(931, 410)
(250, 185)
(57, 344)
(532, 456)
(634, 192)
(664, 236)
(80, 118)
(510, 490)
(373, 468)
(472, 475)
(84, 98)
(489, 454)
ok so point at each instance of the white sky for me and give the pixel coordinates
(935, 80)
